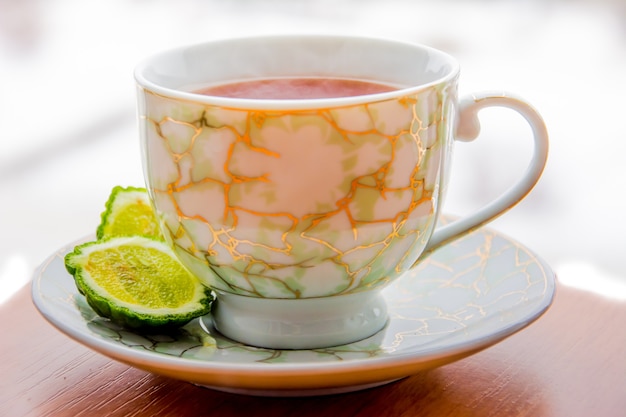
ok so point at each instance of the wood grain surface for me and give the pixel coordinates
(571, 362)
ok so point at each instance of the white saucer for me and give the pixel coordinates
(463, 298)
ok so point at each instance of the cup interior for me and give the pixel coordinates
(179, 72)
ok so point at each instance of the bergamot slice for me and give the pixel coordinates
(137, 282)
(128, 212)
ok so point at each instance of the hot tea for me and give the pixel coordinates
(296, 88)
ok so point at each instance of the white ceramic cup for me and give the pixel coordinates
(299, 212)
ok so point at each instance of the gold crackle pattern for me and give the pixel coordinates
(291, 204)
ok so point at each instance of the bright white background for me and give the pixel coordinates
(68, 132)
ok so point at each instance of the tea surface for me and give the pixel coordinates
(296, 88)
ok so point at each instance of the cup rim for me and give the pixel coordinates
(293, 104)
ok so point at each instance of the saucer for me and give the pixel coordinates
(464, 297)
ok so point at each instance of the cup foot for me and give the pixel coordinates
(308, 323)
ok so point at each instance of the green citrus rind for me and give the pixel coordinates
(128, 212)
(137, 282)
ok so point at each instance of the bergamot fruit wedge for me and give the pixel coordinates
(137, 282)
(128, 212)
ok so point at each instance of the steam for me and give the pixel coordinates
(227, 61)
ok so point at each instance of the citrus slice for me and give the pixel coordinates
(128, 213)
(137, 282)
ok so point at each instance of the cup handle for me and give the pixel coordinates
(467, 129)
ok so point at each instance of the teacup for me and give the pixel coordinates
(298, 212)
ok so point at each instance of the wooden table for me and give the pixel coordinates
(571, 362)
